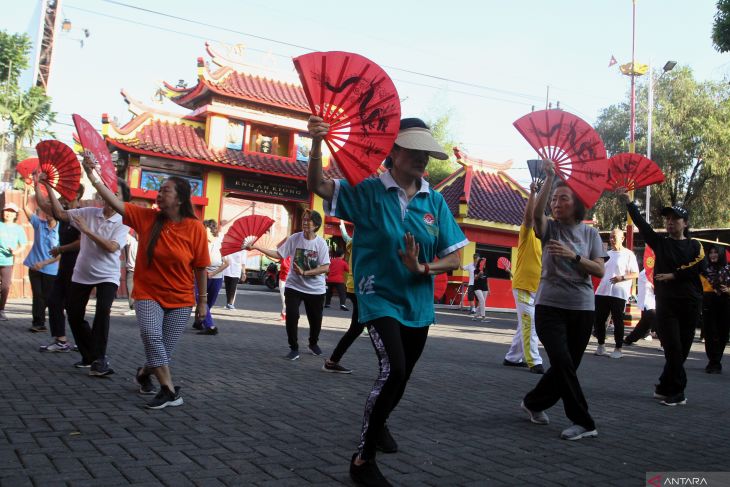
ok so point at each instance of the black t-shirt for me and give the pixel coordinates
(66, 235)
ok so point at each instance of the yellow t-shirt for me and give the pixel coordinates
(526, 274)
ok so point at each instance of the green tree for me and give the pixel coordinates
(691, 134)
(28, 113)
(721, 27)
(438, 170)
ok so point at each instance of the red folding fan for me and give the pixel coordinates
(95, 148)
(359, 101)
(61, 166)
(440, 283)
(26, 168)
(576, 149)
(632, 171)
(244, 231)
(504, 264)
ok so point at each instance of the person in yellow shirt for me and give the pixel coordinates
(526, 277)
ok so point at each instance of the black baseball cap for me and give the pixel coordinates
(676, 210)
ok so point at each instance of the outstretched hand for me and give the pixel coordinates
(409, 256)
(549, 167)
(623, 196)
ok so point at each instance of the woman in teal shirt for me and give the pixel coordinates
(12, 240)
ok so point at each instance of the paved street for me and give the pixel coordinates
(251, 418)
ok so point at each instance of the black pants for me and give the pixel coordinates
(564, 333)
(646, 325)
(6, 282)
(614, 306)
(231, 284)
(351, 334)
(90, 340)
(57, 302)
(398, 348)
(677, 321)
(313, 306)
(341, 292)
(716, 320)
(41, 285)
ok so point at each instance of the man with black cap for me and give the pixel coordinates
(678, 263)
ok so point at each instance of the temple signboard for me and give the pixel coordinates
(266, 186)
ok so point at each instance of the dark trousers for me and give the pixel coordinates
(231, 284)
(313, 305)
(716, 320)
(41, 285)
(90, 340)
(677, 321)
(564, 333)
(213, 288)
(646, 324)
(57, 302)
(398, 348)
(351, 334)
(6, 281)
(341, 292)
(614, 306)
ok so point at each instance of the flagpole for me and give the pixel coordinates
(632, 130)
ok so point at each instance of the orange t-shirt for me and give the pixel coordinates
(181, 248)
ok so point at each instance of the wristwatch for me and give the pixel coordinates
(577, 258)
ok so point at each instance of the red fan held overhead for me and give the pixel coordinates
(576, 149)
(632, 171)
(244, 231)
(359, 101)
(60, 164)
(26, 168)
(95, 148)
(504, 264)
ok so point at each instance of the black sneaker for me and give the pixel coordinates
(316, 351)
(82, 365)
(385, 442)
(326, 305)
(675, 400)
(344, 308)
(38, 329)
(292, 355)
(368, 474)
(165, 398)
(509, 363)
(213, 330)
(198, 325)
(144, 381)
(335, 367)
(537, 369)
(100, 368)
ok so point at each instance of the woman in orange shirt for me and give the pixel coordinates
(173, 247)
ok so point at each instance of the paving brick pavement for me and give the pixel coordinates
(252, 418)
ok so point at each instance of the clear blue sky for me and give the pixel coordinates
(511, 51)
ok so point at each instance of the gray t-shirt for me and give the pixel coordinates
(563, 283)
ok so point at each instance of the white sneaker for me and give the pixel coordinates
(2, 316)
(600, 350)
(130, 312)
(576, 432)
(648, 338)
(537, 417)
(616, 353)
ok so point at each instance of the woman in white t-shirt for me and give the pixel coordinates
(310, 261)
(215, 277)
(233, 274)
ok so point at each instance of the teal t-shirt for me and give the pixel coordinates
(382, 216)
(11, 235)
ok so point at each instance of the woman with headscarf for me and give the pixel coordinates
(716, 308)
(402, 227)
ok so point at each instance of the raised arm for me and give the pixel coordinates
(101, 188)
(274, 254)
(26, 208)
(650, 236)
(55, 206)
(538, 214)
(527, 218)
(316, 182)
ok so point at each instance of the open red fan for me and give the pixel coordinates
(244, 231)
(26, 168)
(60, 164)
(504, 264)
(576, 149)
(632, 171)
(95, 148)
(440, 283)
(359, 101)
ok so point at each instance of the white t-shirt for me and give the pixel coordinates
(95, 265)
(235, 261)
(470, 267)
(645, 293)
(307, 254)
(132, 245)
(620, 263)
(216, 259)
